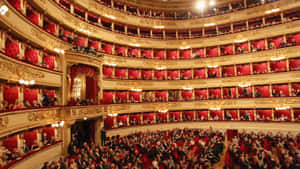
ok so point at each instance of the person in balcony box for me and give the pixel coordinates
(282, 44)
(294, 43)
(257, 93)
(27, 104)
(25, 148)
(246, 116)
(296, 92)
(36, 104)
(228, 116)
(45, 139)
(34, 146)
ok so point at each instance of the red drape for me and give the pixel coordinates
(186, 74)
(295, 64)
(109, 122)
(49, 131)
(107, 72)
(120, 51)
(50, 93)
(80, 41)
(148, 116)
(296, 38)
(188, 114)
(133, 52)
(136, 117)
(213, 72)
(159, 54)
(185, 54)
(147, 74)
(202, 114)
(162, 116)
(233, 113)
(229, 93)
(147, 54)
(215, 93)
(31, 55)
(107, 97)
(201, 94)
(120, 73)
(277, 41)
(30, 137)
(34, 17)
(31, 95)
(249, 112)
(264, 114)
(243, 70)
(11, 142)
(94, 44)
(259, 44)
(214, 113)
(16, 4)
(50, 28)
(120, 95)
(227, 50)
(187, 94)
(161, 95)
(243, 46)
(174, 115)
(133, 74)
(243, 93)
(278, 66)
(284, 89)
(263, 90)
(280, 113)
(228, 71)
(136, 96)
(213, 52)
(160, 74)
(199, 53)
(199, 74)
(107, 49)
(49, 61)
(172, 54)
(10, 94)
(122, 118)
(260, 68)
(12, 48)
(91, 88)
(173, 74)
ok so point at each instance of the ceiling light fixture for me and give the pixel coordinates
(200, 5)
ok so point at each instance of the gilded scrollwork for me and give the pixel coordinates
(4, 122)
(44, 115)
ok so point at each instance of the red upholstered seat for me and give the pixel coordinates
(50, 93)
(30, 137)
(243, 70)
(121, 96)
(282, 114)
(186, 74)
(213, 72)
(233, 114)
(281, 90)
(160, 95)
(16, 4)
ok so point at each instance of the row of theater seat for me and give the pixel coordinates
(169, 15)
(257, 91)
(83, 43)
(24, 51)
(122, 120)
(202, 73)
(16, 97)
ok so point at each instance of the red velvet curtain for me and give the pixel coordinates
(136, 96)
(147, 54)
(107, 72)
(122, 118)
(243, 70)
(296, 38)
(172, 54)
(33, 17)
(50, 27)
(213, 72)
(227, 50)
(213, 52)
(186, 74)
(107, 49)
(12, 48)
(11, 143)
(160, 74)
(218, 113)
(133, 52)
(277, 41)
(160, 54)
(147, 74)
(185, 54)
(120, 73)
(30, 137)
(31, 95)
(259, 44)
(228, 71)
(215, 93)
(249, 112)
(245, 92)
(202, 114)
(161, 95)
(107, 97)
(187, 94)
(199, 74)
(109, 122)
(264, 91)
(136, 117)
(91, 88)
(133, 74)
(243, 46)
(49, 61)
(199, 53)
(201, 94)
(80, 41)
(148, 116)
(49, 131)
(297, 114)
(120, 95)
(260, 68)
(16, 4)
(278, 66)
(284, 89)
(10, 94)
(229, 93)
(295, 64)
(284, 113)
(162, 116)
(50, 93)
(264, 114)
(174, 115)
(173, 74)
(233, 113)
(31, 55)
(94, 44)
(120, 51)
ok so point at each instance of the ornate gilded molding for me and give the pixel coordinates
(290, 52)
(122, 17)
(262, 79)
(45, 115)
(76, 24)
(14, 70)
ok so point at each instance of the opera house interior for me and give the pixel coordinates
(150, 84)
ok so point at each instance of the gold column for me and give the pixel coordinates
(290, 88)
(142, 118)
(99, 125)
(272, 114)
(100, 82)
(41, 20)
(254, 112)
(270, 89)
(251, 68)
(1, 94)
(86, 16)
(287, 65)
(238, 114)
(292, 114)
(247, 25)
(66, 135)
(139, 32)
(282, 17)
(64, 91)
(72, 8)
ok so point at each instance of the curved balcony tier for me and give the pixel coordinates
(72, 22)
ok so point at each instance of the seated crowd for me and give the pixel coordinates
(10, 156)
(178, 148)
(263, 150)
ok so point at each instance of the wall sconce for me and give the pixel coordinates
(163, 111)
(217, 108)
(59, 50)
(112, 115)
(26, 82)
(282, 108)
(60, 124)
(3, 9)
